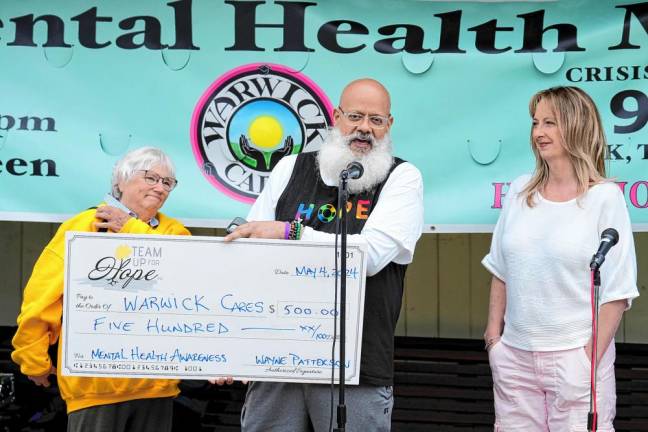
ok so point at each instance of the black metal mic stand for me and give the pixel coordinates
(592, 417)
(342, 199)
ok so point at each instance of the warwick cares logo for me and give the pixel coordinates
(250, 118)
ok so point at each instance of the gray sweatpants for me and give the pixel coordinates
(139, 415)
(282, 407)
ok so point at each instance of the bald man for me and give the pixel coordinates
(386, 213)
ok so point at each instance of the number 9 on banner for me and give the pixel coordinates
(640, 114)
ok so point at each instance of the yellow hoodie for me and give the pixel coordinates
(39, 322)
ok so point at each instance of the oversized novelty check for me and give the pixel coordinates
(197, 307)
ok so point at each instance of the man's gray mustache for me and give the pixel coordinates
(359, 135)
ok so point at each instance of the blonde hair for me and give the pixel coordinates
(581, 130)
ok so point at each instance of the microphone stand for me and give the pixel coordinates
(342, 199)
(609, 238)
(592, 417)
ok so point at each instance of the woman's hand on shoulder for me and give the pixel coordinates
(111, 218)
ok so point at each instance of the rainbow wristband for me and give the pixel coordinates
(287, 230)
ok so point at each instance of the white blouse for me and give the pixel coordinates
(543, 254)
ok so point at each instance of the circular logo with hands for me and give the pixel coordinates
(249, 119)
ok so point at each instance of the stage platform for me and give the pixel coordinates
(441, 385)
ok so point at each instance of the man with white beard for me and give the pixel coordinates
(298, 202)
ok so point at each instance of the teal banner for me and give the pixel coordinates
(227, 88)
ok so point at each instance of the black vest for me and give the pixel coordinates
(307, 197)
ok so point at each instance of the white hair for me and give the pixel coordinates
(335, 154)
(143, 158)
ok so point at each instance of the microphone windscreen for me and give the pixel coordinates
(355, 169)
(611, 234)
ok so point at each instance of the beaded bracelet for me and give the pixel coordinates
(298, 230)
(295, 230)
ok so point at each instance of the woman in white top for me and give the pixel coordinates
(539, 334)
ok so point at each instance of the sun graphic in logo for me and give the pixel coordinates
(262, 131)
(123, 251)
(266, 132)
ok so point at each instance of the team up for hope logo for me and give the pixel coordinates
(250, 118)
(128, 265)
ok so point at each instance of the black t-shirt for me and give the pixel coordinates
(307, 197)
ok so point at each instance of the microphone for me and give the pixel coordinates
(609, 238)
(236, 222)
(353, 171)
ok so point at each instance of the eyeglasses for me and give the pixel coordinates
(168, 183)
(375, 120)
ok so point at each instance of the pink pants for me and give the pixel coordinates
(549, 391)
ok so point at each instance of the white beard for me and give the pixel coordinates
(336, 154)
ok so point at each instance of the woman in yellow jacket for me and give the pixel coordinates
(141, 183)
